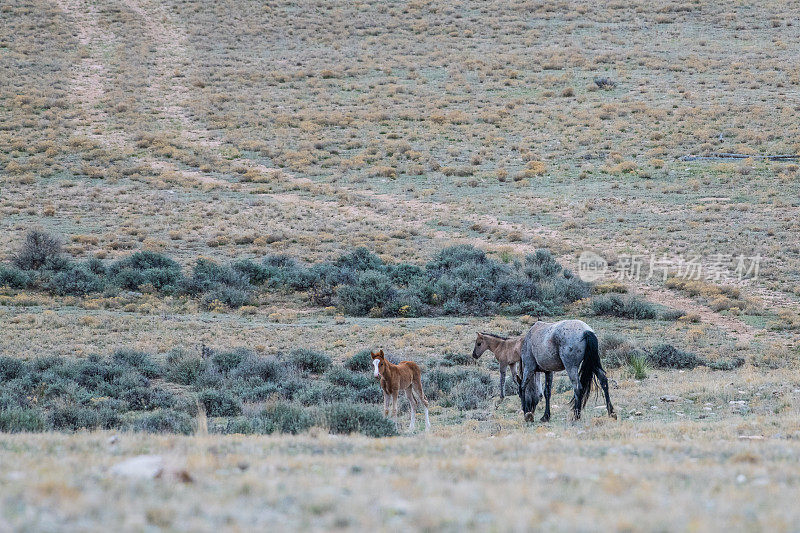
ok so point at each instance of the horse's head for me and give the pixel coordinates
(480, 346)
(378, 362)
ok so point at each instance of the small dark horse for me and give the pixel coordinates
(549, 347)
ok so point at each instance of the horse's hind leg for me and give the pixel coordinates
(413, 406)
(572, 372)
(548, 387)
(601, 377)
(417, 385)
(502, 381)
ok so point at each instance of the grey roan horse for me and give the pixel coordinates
(549, 347)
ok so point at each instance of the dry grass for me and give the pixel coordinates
(620, 476)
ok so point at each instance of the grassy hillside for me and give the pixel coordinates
(259, 178)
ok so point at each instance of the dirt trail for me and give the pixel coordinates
(166, 88)
(744, 333)
(171, 60)
(87, 79)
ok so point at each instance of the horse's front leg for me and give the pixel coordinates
(548, 386)
(394, 408)
(413, 405)
(385, 404)
(530, 394)
(502, 381)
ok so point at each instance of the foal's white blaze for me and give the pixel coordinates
(375, 363)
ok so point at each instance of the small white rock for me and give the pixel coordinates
(141, 466)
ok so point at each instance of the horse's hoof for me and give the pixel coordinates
(545, 419)
(529, 417)
(613, 415)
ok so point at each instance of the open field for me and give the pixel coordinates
(241, 130)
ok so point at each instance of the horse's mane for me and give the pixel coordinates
(493, 335)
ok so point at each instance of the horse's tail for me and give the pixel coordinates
(590, 365)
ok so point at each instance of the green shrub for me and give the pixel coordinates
(621, 355)
(667, 356)
(208, 275)
(344, 418)
(321, 392)
(256, 274)
(77, 281)
(617, 351)
(220, 402)
(372, 290)
(623, 307)
(671, 314)
(229, 296)
(11, 368)
(359, 260)
(128, 279)
(286, 272)
(14, 278)
(75, 417)
(309, 360)
(611, 341)
(638, 366)
(459, 280)
(229, 360)
(267, 369)
(39, 250)
(360, 362)
(183, 368)
(257, 392)
(140, 268)
(346, 378)
(406, 275)
(472, 392)
(164, 421)
(141, 261)
(541, 265)
(140, 361)
(20, 419)
(456, 359)
(440, 382)
(726, 364)
(283, 418)
(235, 425)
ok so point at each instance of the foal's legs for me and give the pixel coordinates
(548, 386)
(413, 405)
(503, 367)
(417, 386)
(394, 406)
(601, 377)
(385, 404)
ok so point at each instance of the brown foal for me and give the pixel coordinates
(405, 376)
